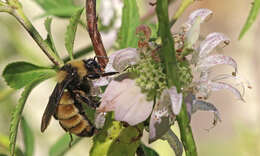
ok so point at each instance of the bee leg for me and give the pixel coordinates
(90, 101)
(71, 140)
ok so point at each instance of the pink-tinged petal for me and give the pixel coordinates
(188, 100)
(103, 81)
(214, 60)
(216, 86)
(236, 79)
(100, 118)
(212, 41)
(199, 105)
(161, 118)
(120, 59)
(203, 13)
(125, 98)
(204, 76)
(126, 58)
(113, 90)
(176, 100)
(193, 34)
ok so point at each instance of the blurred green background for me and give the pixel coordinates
(238, 133)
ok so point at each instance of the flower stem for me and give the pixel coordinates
(168, 57)
(186, 132)
(94, 33)
(14, 8)
(167, 51)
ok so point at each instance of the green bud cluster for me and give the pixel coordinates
(184, 74)
(150, 76)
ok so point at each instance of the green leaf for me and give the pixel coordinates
(28, 138)
(49, 39)
(144, 150)
(17, 114)
(62, 145)
(174, 142)
(20, 74)
(4, 142)
(116, 140)
(71, 32)
(130, 20)
(59, 8)
(251, 18)
(182, 8)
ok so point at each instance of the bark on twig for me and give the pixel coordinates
(94, 33)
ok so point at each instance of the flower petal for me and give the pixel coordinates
(103, 81)
(100, 118)
(216, 86)
(176, 100)
(120, 59)
(214, 60)
(193, 34)
(205, 106)
(127, 101)
(203, 13)
(174, 142)
(161, 118)
(211, 41)
(188, 100)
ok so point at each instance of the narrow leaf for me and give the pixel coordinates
(4, 143)
(130, 20)
(71, 32)
(20, 74)
(17, 114)
(144, 150)
(28, 137)
(251, 18)
(181, 9)
(61, 146)
(59, 8)
(49, 39)
(174, 142)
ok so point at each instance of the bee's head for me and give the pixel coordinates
(92, 66)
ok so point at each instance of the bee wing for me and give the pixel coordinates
(54, 101)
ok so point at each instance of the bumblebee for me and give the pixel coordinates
(73, 89)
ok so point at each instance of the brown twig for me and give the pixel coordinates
(94, 33)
